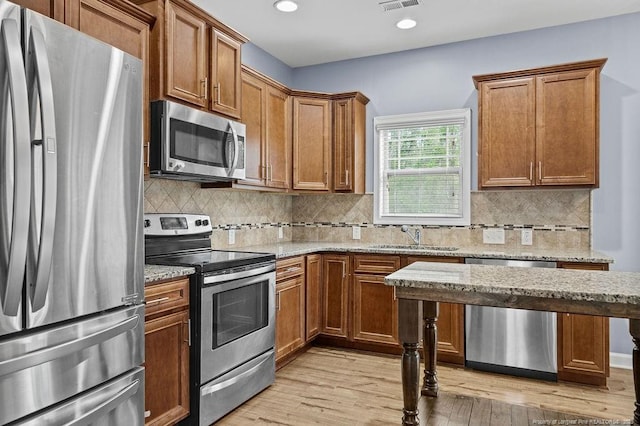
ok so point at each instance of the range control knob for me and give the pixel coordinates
(198, 222)
(205, 222)
(147, 223)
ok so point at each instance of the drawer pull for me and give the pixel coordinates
(156, 301)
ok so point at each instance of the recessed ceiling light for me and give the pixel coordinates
(286, 5)
(406, 24)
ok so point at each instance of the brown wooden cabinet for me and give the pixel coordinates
(539, 127)
(313, 292)
(167, 351)
(266, 112)
(52, 8)
(375, 309)
(450, 319)
(311, 143)
(194, 58)
(290, 306)
(349, 116)
(583, 341)
(335, 295)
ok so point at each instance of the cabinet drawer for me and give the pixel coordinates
(375, 264)
(166, 296)
(288, 268)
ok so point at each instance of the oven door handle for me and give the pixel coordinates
(216, 386)
(213, 279)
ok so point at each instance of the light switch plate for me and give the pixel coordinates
(232, 236)
(280, 232)
(356, 232)
(526, 238)
(493, 236)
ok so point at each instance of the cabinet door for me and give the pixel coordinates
(450, 320)
(167, 368)
(122, 30)
(186, 55)
(311, 143)
(278, 138)
(567, 128)
(290, 316)
(225, 74)
(52, 8)
(375, 310)
(253, 116)
(583, 341)
(335, 294)
(342, 144)
(506, 144)
(313, 295)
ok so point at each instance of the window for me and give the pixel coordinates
(422, 168)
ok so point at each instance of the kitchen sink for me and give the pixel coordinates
(413, 247)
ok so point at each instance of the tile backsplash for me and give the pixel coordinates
(559, 218)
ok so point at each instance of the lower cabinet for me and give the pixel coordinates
(335, 295)
(583, 341)
(313, 290)
(290, 306)
(167, 352)
(450, 319)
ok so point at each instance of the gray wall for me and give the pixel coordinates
(439, 77)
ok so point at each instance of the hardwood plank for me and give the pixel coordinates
(345, 387)
(519, 415)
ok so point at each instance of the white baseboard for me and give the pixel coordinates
(617, 360)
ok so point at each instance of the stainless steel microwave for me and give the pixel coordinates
(190, 144)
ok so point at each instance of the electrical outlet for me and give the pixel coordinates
(280, 232)
(526, 238)
(232, 236)
(493, 236)
(356, 232)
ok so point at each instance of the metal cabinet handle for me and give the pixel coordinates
(157, 301)
(39, 70)
(531, 171)
(11, 279)
(539, 171)
(203, 89)
(347, 176)
(219, 89)
(278, 301)
(188, 341)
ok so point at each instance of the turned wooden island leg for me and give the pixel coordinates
(430, 317)
(634, 330)
(409, 334)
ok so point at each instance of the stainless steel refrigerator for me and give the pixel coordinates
(71, 242)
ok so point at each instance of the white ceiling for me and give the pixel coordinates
(323, 31)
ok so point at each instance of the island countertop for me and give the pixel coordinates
(609, 293)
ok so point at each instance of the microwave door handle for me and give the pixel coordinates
(19, 223)
(236, 149)
(42, 250)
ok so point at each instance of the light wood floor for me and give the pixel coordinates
(329, 386)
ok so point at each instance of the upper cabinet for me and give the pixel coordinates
(194, 57)
(311, 143)
(349, 118)
(539, 127)
(52, 8)
(266, 112)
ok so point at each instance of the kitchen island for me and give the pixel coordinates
(420, 286)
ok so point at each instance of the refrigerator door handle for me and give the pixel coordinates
(11, 291)
(42, 227)
(106, 406)
(38, 357)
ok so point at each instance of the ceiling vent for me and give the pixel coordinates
(397, 4)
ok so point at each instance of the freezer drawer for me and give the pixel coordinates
(43, 368)
(118, 402)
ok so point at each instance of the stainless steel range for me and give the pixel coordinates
(232, 309)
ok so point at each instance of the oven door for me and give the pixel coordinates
(237, 322)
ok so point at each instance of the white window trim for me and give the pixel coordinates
(428, 118)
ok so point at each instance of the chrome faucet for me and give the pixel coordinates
(416, 238)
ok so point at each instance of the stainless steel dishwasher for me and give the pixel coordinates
(511, 341)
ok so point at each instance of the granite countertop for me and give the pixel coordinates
(154, 273)
(288, 249)
(549, 283)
